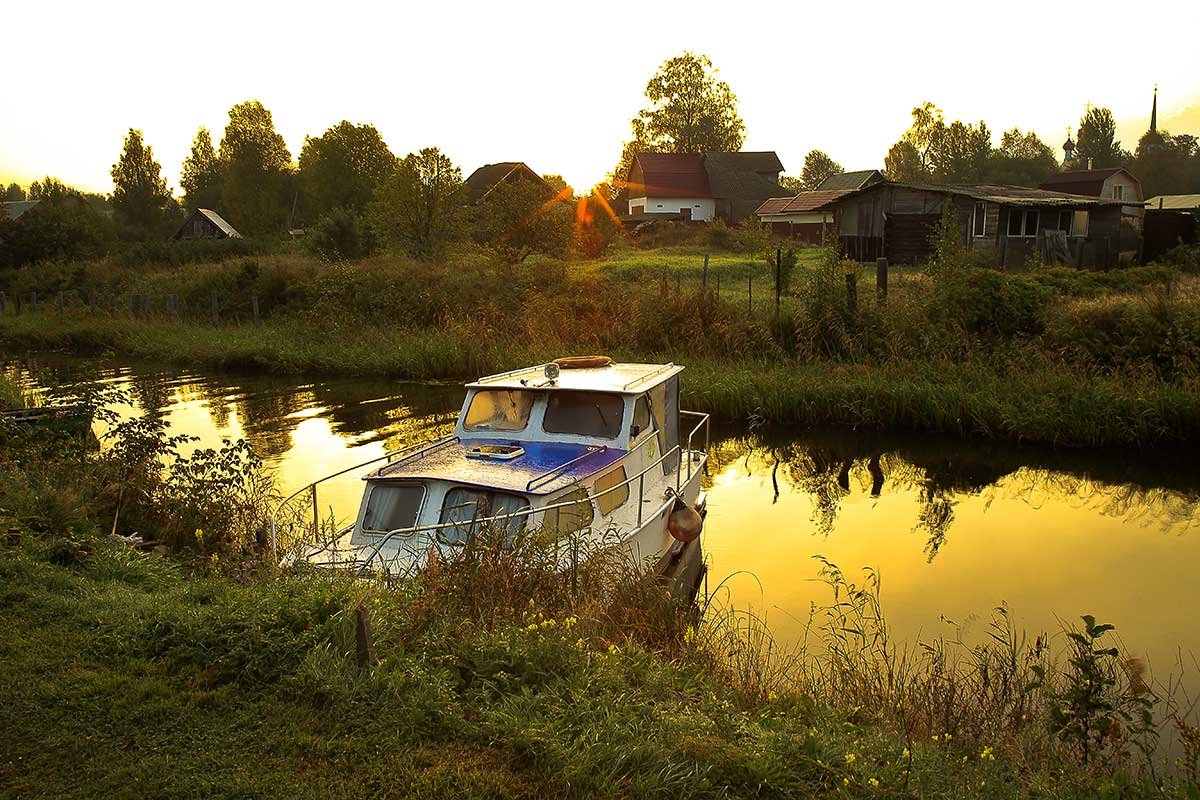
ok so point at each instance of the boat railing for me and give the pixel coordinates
(676, 454)
(390, 457)
(554, 472)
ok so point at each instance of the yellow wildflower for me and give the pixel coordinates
(986, 754)
(905, 754)
(812, 731)
(850, 757)
(613, 649)
(845, 781)
(874, 783)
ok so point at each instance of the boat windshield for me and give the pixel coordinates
(465, 507)
(393, 507)
(584, 414)
(499, 410)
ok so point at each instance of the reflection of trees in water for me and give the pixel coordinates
(940, 473)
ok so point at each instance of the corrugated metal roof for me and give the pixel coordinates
(15, 208)
(803, 202)
(1174, 202)
(851, 180)
(219, 221)
(671, 175)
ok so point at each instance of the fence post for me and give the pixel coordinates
(33, 304)
(852, 293)
(678, 282)
(2, 303)
(881, 279)
(718, 285)
(778, 277)
(750, 295)
(364, 646)
(254, 309)
(216, 317)
(706, 272)
(129, 305)
(60, 303)
(91, 301)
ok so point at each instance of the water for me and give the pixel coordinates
(954, 529)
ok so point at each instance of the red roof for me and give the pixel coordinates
(1080, 181)
(805, 201)
(669, 175)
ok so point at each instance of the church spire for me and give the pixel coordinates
(1154, 111)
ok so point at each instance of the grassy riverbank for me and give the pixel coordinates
(1052, 356)
(197, 668)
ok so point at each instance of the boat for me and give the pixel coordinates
(582, 449)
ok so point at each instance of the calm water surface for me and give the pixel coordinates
(954, 529)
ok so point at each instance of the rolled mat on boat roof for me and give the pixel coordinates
(583, 362)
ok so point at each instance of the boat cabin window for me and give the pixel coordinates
(560, 522)
(465, 507)
(584, 413)
(642, 421)
(499, 410)
(392, 507)
(607, 501)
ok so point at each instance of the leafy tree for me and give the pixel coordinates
(417, 206)
(1097, 141)
(140, 191)
(904, 163)
(200, 178)
(338, 235)
(959, 152)
(559, 184)
(343, 167)
(691, 111)
(791, 183)
(50, 189)
(14, 192)
(1022, 159)
(255, 167)
(817, 167)
(1167, 164)
(519, 219)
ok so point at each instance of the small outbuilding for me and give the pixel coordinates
(204, 223)
(801, 217)
(482, 181)
(851, 181)
(1171, 220)
(700, 187)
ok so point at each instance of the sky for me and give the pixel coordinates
(555, 84)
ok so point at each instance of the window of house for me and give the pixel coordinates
(1118, 192)
(560, 522)
(1015, 217)
(1031, 222)
(979, 218)
(1064, 221)
(584, 413)
(392, 507)
(499, 410)
(609, 502)
(1079, 225)
(463, 508)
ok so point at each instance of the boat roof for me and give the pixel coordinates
(619, 378)
(550, 466)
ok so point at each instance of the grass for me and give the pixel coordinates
(1053, 356)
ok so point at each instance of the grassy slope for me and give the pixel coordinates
(1038, 404)
(125, 679)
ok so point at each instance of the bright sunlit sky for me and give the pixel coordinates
(555, 84)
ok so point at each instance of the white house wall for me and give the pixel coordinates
(703, 208)
(798, 218)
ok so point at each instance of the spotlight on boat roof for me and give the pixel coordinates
(552, 371)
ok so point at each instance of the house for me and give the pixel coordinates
(483, 180)
(204, 223)
(1171, 220)
(12, 210)
(1008, 224)
(702, 186)
(1114, 183)
(851, 181)
(799, 217)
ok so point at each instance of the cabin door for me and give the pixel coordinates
(646, 443)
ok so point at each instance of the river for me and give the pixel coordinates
(954, 529)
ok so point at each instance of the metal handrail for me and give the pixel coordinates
(419, 447)
(648, 375)
(413, 531)
(550, 474)
(510, 373)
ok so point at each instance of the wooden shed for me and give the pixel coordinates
(204, 223)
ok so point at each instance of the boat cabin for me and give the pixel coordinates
(559, 449)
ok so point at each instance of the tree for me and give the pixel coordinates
(255, 166)
(14, 192)
(791, 183)
(139, 190)
(559, 184)
(817, 167)
(1022, 159)
(417, 206)
(200, 177)
(959, 152)
(343, 167)
(50, 189)
(691, 111)
(1167, 164)
(521, 218)
(1097, 141)
(903, 163)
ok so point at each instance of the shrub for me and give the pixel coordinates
(339, 235)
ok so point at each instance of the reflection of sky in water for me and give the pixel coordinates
(955, 530)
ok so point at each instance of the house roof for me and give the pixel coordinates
(624, 378)
(13, 209)
(1081, 181)
(851, 180)
(213, 217)
(740, 182)
(749, 160)
(992, 193)
(670, 175)
(1176, 202)
(487, 177)
(803, 202)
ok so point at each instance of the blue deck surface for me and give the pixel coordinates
(449, 462)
